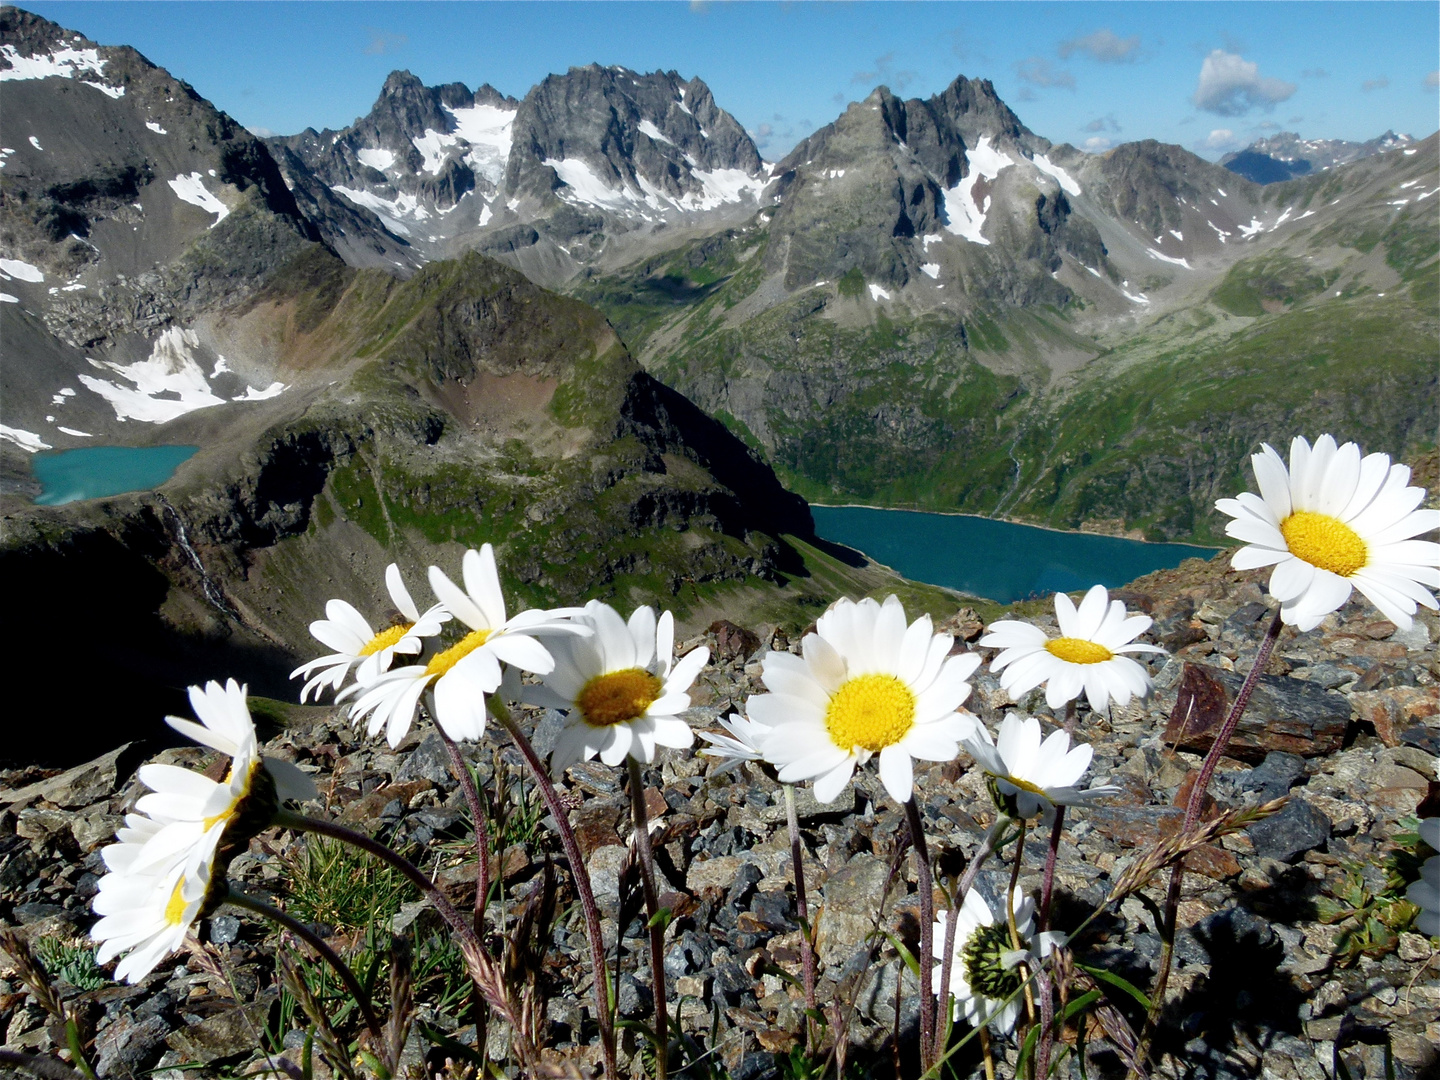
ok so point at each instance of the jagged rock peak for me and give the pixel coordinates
(618, 126)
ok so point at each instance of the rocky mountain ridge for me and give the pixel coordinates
(1286, 155)
(585, 168)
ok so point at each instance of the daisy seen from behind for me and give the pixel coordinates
(1331, 522)
(620, 687)
(865, 684)
(462, 674)
(1088, 656)
(986, 970)
(178, 843)
(193, 811)
(742, 744)
(359, 647)
(1031, 776)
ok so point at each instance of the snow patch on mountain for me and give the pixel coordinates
(1064, 179)
(66, 63)
(1167, 258)
(275, 389)
(375, 157)
(389, 211)
(14, 268)
(966, 218)
(192, 189)
(26, 440)
(170, 383)
(654, 132)
(434, 147)
(488, 130)
(586, 187)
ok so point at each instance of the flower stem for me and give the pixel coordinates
(947, 955)
(927, 934)
(1015, 942)
(316, 942)
(1192, 815)
(578, 873)
(466, 779)
(652, 905)
(1046, 891)
(1043, 1046)
(807, 944)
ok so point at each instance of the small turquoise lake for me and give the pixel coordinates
(92, 472)
(998, 560)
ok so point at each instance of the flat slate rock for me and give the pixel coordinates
(1284, 714)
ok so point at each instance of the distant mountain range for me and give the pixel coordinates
(924, 304)
(592, 168)
(1286, 155)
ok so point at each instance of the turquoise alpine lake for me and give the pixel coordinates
(94, 471)
(998, 560)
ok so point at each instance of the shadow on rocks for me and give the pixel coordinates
(1244, 1001)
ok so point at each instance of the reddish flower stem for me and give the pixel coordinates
(1192, 816)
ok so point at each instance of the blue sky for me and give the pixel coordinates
(1210, 76)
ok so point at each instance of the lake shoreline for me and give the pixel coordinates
(992, 558)
(1014, 521)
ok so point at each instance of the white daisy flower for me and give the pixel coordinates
(1037, 775)
(865, 685)
(194, 811)
(358, 646)
(619, 687)
(464, 673)
(1425, 893)
(741, 745)
(1334, 521)
(146, 912)
(986, 969)
(1086, 657)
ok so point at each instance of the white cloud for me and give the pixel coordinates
(1230, 85)
(1097, 143)
(1103, 45)
(1218, 139)
(260, 132)
(1040, 72)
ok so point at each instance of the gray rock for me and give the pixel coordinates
(634, 998)
(80, 786)
(428, 761)
(1274, 776)
(130, 1045)
(224, 1035)
(1296, 829)
(224, 929)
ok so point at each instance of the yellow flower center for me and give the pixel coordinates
(617, 696)
(1324, 541)
(441, 663)
(871, 712)
(230, 811)
(1076, 650)
(386, 638)
(175, 909)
